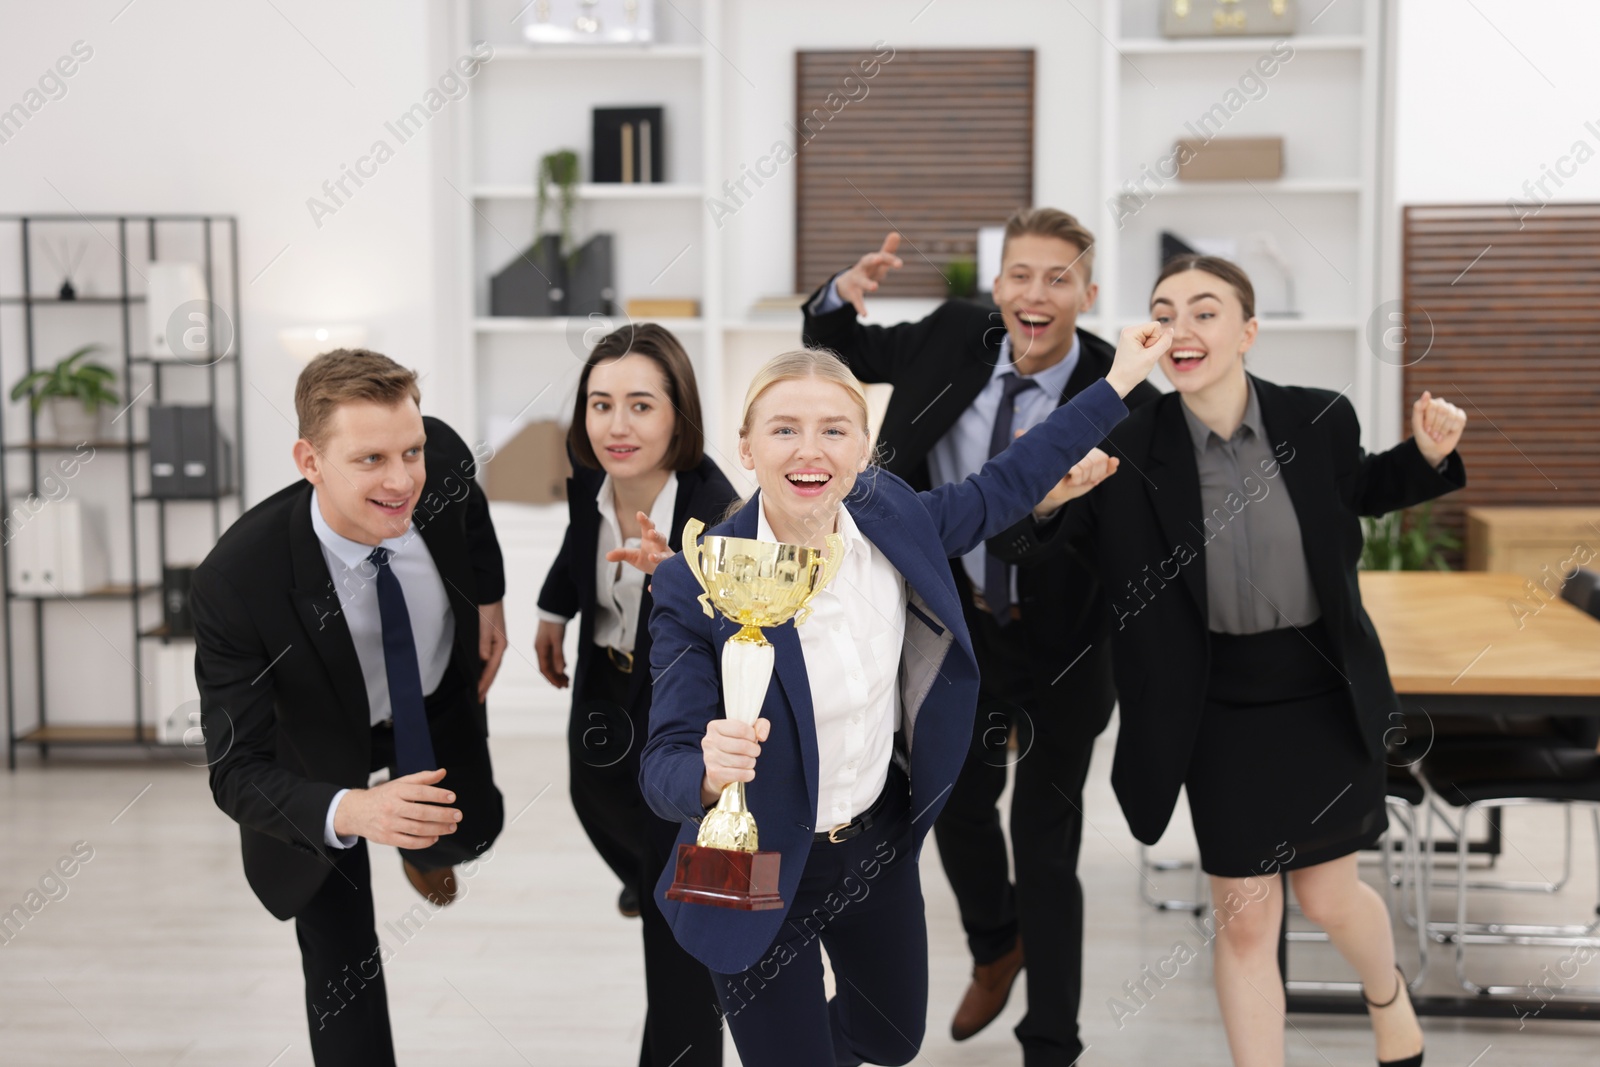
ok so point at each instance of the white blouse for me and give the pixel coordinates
(618, 587)
(852, 644)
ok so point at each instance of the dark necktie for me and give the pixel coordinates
(996, 574)
(413, 747)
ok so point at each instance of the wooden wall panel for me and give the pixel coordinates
(941, 144)
(1513, 311)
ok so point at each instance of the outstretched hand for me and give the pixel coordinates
(1085, 474)
(863, 278)
(406, 812)
(1437, 426)
(1138, 350)
(650, 551)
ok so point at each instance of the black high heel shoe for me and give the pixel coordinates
(1399, 986)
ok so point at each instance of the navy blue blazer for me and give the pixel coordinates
(918, 532)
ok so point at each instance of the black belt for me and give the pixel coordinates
(622, 661)
(846, 830)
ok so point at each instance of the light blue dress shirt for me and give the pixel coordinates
(427, 603)
(964, 448)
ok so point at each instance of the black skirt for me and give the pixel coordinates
(1280, 777)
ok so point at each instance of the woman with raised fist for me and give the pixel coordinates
(1246, 668)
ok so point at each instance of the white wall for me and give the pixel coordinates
(1490, 93)
(189, 106)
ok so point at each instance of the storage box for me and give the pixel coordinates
(626, 145)
(531, 468)
(175, 614)
(189, 457)
(534, 284)
(1212, 18)
(1230, 159)
(663, 309)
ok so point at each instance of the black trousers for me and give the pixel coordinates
(1057, 719)
(862, 900)
(340, 953)
(682, 1026)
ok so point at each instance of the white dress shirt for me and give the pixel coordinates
(619, 587)
(356, 581)
(852, 643)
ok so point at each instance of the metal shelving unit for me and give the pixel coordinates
(218, 236)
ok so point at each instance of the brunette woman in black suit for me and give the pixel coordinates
(641, 472)
(1246, 668)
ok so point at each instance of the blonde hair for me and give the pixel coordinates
(798, 365)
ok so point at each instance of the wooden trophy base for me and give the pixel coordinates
(726, 878)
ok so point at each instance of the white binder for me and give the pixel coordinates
(174, 704)
(76, 547)
(22, 534)
(57, 548)
(170, 286)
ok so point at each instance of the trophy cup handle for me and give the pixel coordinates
(830, 567)
(692, 553)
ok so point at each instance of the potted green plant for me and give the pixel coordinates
(960, 278)
(559, 168)
(1406, 541)
(73, 392)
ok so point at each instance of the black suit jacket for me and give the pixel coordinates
(283, 702)
(704, 493)
(938, 366)
(1144, 531)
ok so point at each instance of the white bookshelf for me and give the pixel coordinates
(561, 324)
(593, 191)
(553, 53)
(1322, 214)
(1145, 46)
(534, 99)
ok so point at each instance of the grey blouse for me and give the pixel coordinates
(1256, 573)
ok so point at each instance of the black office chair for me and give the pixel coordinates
(1500, 732)
(1563, 770)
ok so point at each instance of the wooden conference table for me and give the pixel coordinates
(1477, 643)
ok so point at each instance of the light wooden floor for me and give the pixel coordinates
(158, 954)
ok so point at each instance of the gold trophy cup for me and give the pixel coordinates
(755, 584)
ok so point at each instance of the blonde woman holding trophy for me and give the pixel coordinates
(868, 716)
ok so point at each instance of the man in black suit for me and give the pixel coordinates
(967, 379)
(332, 642)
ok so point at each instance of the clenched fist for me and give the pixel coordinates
(1436, 425)
(1138, 350)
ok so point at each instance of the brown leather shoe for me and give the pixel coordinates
(438, 887)
(986, 997)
